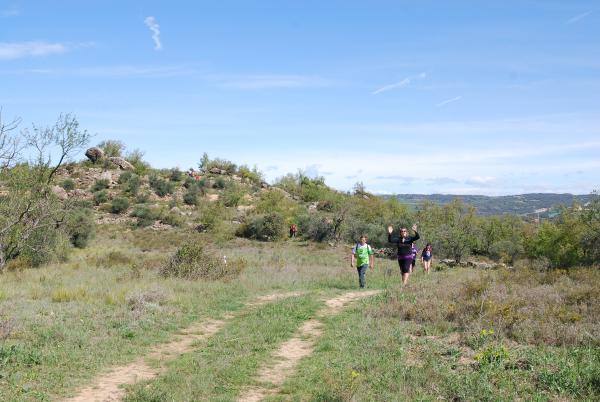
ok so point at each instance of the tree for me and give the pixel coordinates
(31, 215)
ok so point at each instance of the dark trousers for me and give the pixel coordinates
(361, 274)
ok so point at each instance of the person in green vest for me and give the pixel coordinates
(362, 256)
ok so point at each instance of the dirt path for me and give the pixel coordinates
(108, 386)
(289, 354)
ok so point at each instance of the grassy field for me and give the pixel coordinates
(455, 334)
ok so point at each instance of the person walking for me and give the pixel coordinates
(362, 256)
(427, 257)
(414, 250)
(293, 230)
(404, 243)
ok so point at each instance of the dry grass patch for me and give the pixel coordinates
(527, 306)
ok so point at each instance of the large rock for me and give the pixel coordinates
(121, 163)
(94, 154)
(60, 192)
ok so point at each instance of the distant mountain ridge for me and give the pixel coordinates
(542, 204)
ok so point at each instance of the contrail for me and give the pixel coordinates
(399, 84)
(579, 17)
(448, 101)
(155, 28)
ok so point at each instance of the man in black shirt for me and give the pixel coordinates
(404, 243)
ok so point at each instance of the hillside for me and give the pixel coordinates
(522, 204)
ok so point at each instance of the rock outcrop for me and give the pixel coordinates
(121, 163)
(94, 154)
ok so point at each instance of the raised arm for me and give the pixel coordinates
(416, 236)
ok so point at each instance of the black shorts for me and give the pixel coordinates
(404, 265)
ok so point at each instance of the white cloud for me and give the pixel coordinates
(155, 28)
(18, 50)
(579, 17)
(401, 84)
(442, 103)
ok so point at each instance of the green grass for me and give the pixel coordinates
(107, 305)
(229, 360)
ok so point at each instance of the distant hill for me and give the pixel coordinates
(543, 204)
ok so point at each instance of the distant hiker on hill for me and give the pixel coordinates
(414, 250)
(362, 256)
(404, 243)
(427, 257)
(293, 230)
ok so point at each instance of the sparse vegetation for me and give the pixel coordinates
(192, 261)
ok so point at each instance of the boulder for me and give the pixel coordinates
(121, 163)
(94, 154)
(449, 262)
(215, 170)
(60, 192)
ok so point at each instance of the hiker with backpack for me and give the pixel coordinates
(362, 256)
(404, 243)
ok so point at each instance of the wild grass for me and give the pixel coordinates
(455, 334)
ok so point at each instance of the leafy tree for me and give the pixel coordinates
(31, 215)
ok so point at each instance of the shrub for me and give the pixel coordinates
(191, 197)
(135, 157)
(315, 227)
(172, 219)
(176, 175)
(119, 205)
(219, 183)
(100, 197)
(161, 187)
(253, 175)
(267, 227)
(125, 177)
(191, 261)
(112, 148)
(100, 184)
(142, 198)
(233, 195)
(80, 226)
(146, 216)
(68, 184)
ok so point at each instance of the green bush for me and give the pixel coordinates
(80, 226)
(100, 197)
(267, 227)
(135, 157)
(192, 196)
(160, 186)
(146, 215)
(125, 177)
(191, 261)
(172, 219)
(315, 227)
(112, 148)
(119, 205)
(100, 184)
(219, 183)
(232, 195)
(142, 198)
(176, 175)
(68, 184)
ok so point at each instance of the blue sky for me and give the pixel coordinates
(464, 97)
